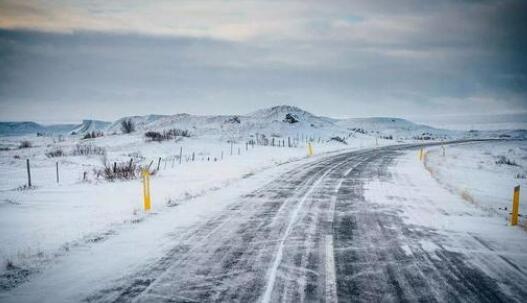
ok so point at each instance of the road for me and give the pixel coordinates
(310, 235)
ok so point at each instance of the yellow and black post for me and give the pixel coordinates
(146, 189)
(515, 205)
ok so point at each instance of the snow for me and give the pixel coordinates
(480, 122)
(44, 223)
(90, 126)
(52, 227)
(150, 237)
(479, 173)
(452, 224)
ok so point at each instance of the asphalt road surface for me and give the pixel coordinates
(311, 236)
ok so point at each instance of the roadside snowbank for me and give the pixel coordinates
(445, 222)
(483, 173)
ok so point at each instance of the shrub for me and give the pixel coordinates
(506, 161)
(128, 170)
(424, 136)
(167, 134)
(88, 149)
(291, 118)
(359, 130)
(25, 144)
(338, 139)
(55, 153)
(233, 120)
(127, 126)
(155, 136)
(92, 135)
(176, 132)
(118, 171)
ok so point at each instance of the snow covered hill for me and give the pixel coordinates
(278, 121)
(395, 127)
(24, 128)
(90, 126)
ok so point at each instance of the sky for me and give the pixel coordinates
(71, 60)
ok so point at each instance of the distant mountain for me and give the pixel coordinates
(283, 120)
(395, 127)
(276, 121)
(25, 128)
(90, 126)
(479, 122)
(28, 128)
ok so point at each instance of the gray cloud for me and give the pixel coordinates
(69, 61)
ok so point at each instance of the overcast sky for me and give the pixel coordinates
(69, 60)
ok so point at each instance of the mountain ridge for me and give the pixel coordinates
(280, 120)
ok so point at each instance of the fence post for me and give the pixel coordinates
(28, 173)
(515, 205)
(231, 147)
(238, 151)
(158, 163)
(114, 167)
(57, 166)
(146, 190)
(222, 155)
(180, 154)
(193, 156)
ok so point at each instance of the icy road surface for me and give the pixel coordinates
(364, 226)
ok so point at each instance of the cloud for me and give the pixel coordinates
(364, 57)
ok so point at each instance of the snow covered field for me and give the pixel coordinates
(470, 246)
(483, 174)
(53, 226)
(45, 222)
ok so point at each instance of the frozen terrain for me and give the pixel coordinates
(352, 226)
(45, 221)
(483, 174)
(242, 213)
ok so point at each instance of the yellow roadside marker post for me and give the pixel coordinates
(146, 189)
(309, 149)
(421, 154)
(515, 205)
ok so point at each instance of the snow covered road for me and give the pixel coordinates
(364, 226)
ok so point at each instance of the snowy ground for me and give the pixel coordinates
(430, 243)
(365, 226)
(45, 223)
(483, 174)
